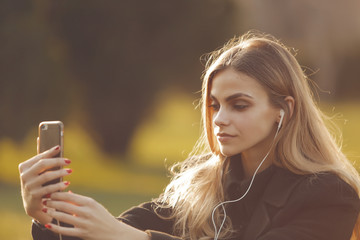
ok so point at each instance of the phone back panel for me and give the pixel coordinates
(50, 135)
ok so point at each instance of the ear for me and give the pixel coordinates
(290, 101)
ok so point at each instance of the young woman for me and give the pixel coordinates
(266, 167)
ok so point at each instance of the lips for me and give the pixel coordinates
(222, 134)
(224, 137)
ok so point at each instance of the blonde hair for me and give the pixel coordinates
(304, 144)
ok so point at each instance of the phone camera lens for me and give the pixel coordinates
(44, 127)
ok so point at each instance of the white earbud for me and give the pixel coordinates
(282, 114)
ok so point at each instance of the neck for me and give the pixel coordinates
(250, 164)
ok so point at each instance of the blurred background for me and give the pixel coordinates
(124, 77)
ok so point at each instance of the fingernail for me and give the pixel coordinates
(48, 195)
(67, 183)
(70, 191)
(44, 210)
(67, 161)
(48, 226)
(44, 202)
(57, 148)
(69, 170)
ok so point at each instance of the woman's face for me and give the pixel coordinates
(244, 121)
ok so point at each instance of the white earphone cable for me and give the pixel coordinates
(217, 233)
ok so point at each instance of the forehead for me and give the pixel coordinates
(229, 81)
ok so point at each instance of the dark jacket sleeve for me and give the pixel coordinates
(143, 217)
(321, 208)
(39, 232)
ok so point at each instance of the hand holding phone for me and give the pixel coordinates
(51, 134)
(35, 172)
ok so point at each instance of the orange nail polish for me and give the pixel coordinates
(48, 226)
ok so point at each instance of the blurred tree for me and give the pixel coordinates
(348, 85)
(32, 86)
(123, 52)
(106, 58)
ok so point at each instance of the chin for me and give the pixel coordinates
(227, 152)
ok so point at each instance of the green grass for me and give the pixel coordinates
(14, 224)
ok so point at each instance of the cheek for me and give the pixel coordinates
(255, 124)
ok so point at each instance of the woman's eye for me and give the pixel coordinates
(214, 107)
(240, 107)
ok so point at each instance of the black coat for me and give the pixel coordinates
(289, 207)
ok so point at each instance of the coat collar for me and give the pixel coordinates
(235, 184)
(276, 195)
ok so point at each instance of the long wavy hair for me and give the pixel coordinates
(304, 145)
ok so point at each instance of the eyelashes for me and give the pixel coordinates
(238, 107)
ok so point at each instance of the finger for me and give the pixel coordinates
(68, 231)
(30, 162)
(73, 198)
(49, 164)
(63, 217)
(49, 176)
(50, 153)
(38, 183)
(37, 145)
(62, 206)
(49, 189)
(42, 165)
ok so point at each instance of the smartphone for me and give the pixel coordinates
(51, 134)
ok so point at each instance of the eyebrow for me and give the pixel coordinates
(234, 96)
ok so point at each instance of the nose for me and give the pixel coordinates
(221, 118)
